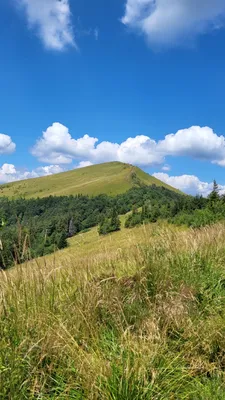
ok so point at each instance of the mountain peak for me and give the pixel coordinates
(109, 178)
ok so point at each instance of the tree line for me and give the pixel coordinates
(185, 210)
(36, 227)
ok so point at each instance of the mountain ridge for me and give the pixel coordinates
(110, 178)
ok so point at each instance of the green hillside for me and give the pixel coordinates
(110, 178)
(137, 315)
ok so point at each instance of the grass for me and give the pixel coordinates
(110, 178)
(136, 315)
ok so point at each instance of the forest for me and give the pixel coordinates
(192, 211)
(36, 227)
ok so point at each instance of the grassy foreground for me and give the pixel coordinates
(110, 178)
(136, 315)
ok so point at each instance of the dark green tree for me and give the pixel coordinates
(115, 221)
(61, 241)
(214, 196)
(104, 226)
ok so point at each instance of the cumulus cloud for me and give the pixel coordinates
(8, 169)
(9, 173)
(140, 150)
(166, 22)
(189, 184)
(197, 142)
(84, 164)
(6, 144)
(166, 167)
(51, 19)
(49, 170)
(57, 146)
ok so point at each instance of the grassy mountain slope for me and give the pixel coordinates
(110, 178)
(136, 315)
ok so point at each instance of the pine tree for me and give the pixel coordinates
(215, 186)
(214, 195)
(104, 226)
(143, 212)
(134, 210)
(62, 242)
(146, 210)
(115, 221)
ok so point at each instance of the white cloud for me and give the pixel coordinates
(172, 22)
(166, 167)
(196, 142)
(140, 150)
(9, 173)
(84, 164)
(189, 184)
(8, 169)
(57, 146)
(6, 144)
(52, 21)
(49, 170)
(104, 151)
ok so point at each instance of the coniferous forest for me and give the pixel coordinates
(36, 227)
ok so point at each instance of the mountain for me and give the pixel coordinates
(110, 178)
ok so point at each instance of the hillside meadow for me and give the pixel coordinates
(139, 314)
(111, 178)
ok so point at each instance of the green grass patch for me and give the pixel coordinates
(121, 318)
(110, 178)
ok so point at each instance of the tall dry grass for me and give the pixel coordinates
(144, 321)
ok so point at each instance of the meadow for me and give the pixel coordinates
(110, 178)
(138, 314)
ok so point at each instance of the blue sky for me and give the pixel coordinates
(126, 72)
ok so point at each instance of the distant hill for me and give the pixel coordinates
(110, 178)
